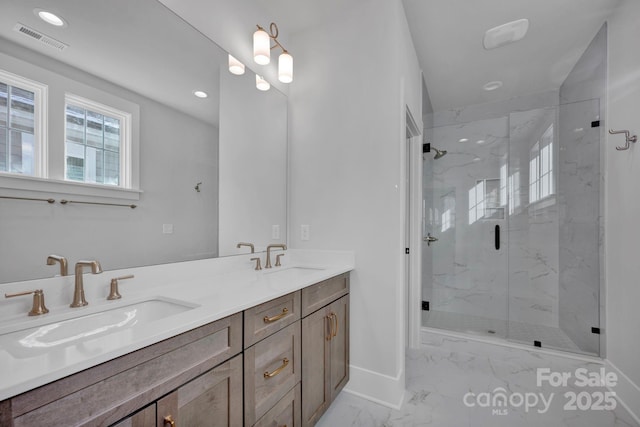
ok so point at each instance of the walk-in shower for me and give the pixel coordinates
(515, 208)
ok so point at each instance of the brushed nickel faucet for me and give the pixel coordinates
(78, 292)
(276, 246)
(52, 259)
(250, 245)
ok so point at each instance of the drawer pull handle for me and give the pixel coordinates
(330, 323)
(335, 331)
(169, 420)
(268, 374)
(267, 319)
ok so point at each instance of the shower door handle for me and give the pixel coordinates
(429, 239)
(497, 238)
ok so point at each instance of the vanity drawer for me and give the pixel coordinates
(287, 411)
(321, 294)
(267, 318)
(271, 369)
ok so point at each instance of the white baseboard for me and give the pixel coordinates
(627, 392)
(382, 389)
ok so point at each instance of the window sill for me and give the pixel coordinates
(21, 184)
(546, 202)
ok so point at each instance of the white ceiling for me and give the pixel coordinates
(137, 44)
(447, 35)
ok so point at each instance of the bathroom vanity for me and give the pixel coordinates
(277, 362)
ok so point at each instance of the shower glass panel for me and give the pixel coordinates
(465, 207)
(554, 212)
(515, 208)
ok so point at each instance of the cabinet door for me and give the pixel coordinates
(144, 418)
(214, 399)
(316, 393)
(285, 413)
(339, 343)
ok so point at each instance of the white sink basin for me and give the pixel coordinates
(40, 339)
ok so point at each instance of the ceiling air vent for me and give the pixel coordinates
(40, 37)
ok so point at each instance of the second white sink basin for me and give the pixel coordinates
(37, 340)
(293, 272)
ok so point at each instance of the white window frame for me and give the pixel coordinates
(126, 168)
(40, 102)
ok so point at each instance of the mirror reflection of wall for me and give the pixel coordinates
(148, 66)
(251, 144)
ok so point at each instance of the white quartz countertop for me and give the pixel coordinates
(207, 290)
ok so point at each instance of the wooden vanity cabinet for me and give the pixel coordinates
(295, 361)
(325, 347)
(109, 392)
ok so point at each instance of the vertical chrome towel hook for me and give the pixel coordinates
(630, 138)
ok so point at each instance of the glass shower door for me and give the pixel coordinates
(464, 205)
(554, 228)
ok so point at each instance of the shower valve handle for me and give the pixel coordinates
(429, 239)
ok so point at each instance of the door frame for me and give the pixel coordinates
(413, 229)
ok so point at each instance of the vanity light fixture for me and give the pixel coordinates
(261, 83)
(235, 67)
(262, 52)
(50, 18)
(200, 94)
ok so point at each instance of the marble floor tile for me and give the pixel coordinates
(445, 369)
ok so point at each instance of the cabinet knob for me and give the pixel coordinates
(168, 420)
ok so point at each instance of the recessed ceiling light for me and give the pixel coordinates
(480, 141)
(50, 18)
(463, 140)
(200, 94)
(492, 85)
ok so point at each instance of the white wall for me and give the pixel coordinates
(622, 195)
(347, 140)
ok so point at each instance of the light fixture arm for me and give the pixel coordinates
(273, 35)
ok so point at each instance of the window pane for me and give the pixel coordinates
(75, 162)
(111, 168)
(94, 165)
(21, 148)
(95, 129)
(544, 190)
(75, 124)
(111, 134)
(22, 110)
(3, 150)
(4, 93)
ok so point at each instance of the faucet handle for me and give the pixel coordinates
(38, 301)
(257, 260)
(278, 259)
(113, 292)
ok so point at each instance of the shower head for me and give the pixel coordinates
(439, 153)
